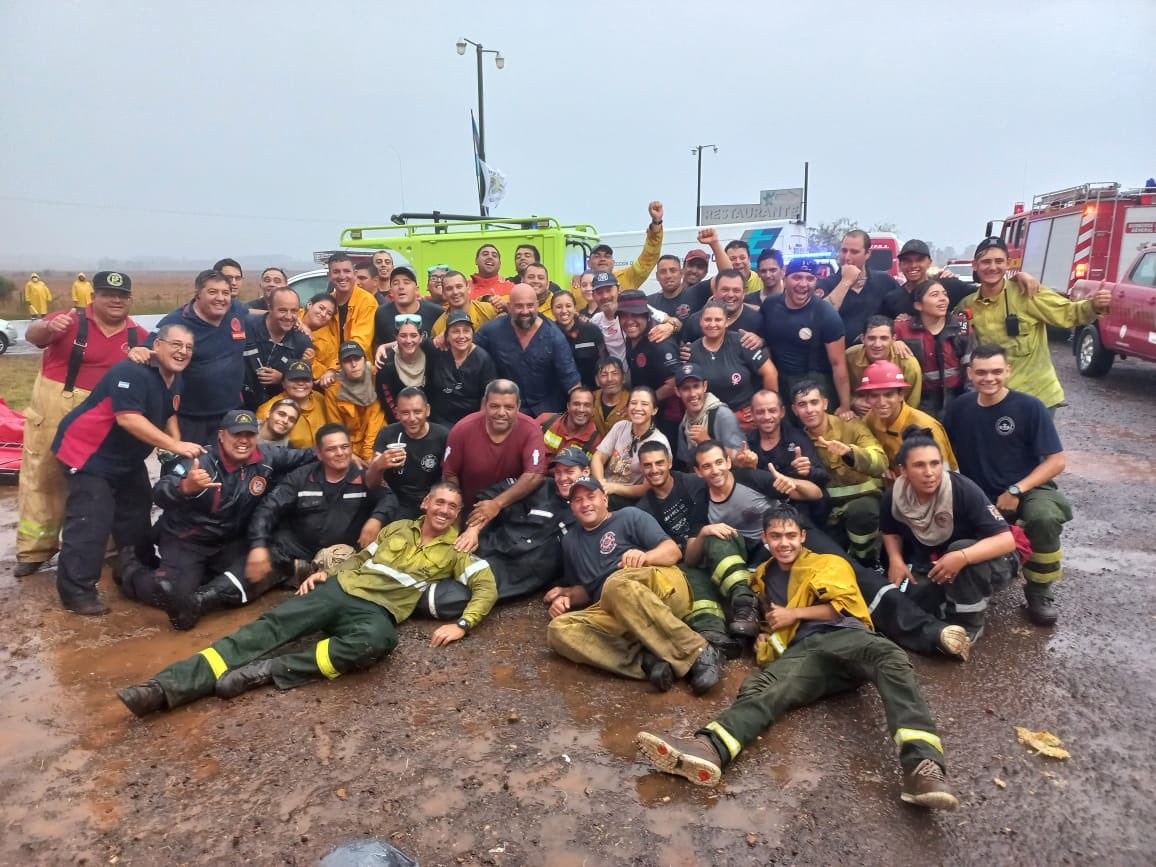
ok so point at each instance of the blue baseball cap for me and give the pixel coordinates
(802, 266)
(603, 279)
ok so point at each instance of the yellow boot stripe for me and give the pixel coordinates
(1046, 556)
(729, 740)
(1048, 577)
(737, 577)
(725, 565)
(707, 606)
(216, 662)
(902, 736)
(324, 663)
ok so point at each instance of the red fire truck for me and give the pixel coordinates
(1087, 232)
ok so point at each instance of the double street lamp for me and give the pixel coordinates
(499, 62)
(697, 150)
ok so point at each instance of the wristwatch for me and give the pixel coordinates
(464, 624)
(1015, 491)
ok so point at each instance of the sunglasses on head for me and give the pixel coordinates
(403, 318)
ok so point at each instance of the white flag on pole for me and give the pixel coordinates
(495, 185)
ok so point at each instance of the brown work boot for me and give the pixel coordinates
(926, 786)
(953, 641)
(23, 570)
(693, 758)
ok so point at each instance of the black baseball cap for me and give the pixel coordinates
(111, 281)
(987, 244)
(403, 271)
(239, 421)
(458, 316)
(298, 370)
(689, 371)
(603, 248)
(348, 349)
(915, 247)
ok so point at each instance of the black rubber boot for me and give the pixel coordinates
(1041, 608)
(657, 671)
(143, 698)
(727, 645)
(185, 612)
(240, 680)
(706, 671)
(23, 570)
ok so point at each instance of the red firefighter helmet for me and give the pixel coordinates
(882, 374)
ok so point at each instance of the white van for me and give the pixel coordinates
(787, 236)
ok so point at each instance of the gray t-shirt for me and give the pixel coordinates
(743, 510)
(589, 557)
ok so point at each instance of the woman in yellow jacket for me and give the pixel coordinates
(352, 400)
(316, 316)
(298, 387)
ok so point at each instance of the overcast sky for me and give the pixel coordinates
(243, 127)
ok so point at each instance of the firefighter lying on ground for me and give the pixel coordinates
(820, 643)
(523, 544)
(357, 604)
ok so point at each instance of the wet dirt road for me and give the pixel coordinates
(494, 752)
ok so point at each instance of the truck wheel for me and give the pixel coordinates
(1091, 357)
(3, 343)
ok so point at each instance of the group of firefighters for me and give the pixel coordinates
(824, 470)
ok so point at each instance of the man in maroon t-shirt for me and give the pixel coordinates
(495, 444)
(42, 490)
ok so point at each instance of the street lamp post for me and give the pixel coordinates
(697, 150)
(499, 62)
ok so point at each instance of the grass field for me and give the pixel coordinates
(17, 373)
(152, 291)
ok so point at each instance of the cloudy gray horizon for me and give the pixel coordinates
(211, 129)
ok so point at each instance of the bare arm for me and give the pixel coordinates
(848, 274)
(836, 354)
(1051, 467)
(145, 431)
(770, 375)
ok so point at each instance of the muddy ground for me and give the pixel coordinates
(494, 752)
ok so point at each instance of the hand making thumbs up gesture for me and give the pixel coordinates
(801, 464)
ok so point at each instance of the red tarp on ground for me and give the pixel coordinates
(11, 438)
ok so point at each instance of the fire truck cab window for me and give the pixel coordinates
(1144, 274)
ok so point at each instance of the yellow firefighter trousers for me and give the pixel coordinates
(42, 491)
(638, 609)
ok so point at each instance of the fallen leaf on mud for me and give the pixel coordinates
(1045, 743)
(999, 782)
(341, 794)
(752, 840)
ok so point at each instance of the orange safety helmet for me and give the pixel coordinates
(882, 374)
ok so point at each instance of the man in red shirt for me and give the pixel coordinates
(78, 350)
(488, 284)
(495, 444)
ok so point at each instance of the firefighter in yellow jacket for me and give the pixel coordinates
(820, 642)
(855, 463)
(352, 400)
(81, 291)
(632, 276)
(298, 387)
(37, 296)
(359, 610)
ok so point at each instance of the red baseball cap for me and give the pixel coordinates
(697, 254)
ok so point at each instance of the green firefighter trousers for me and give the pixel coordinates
(824, 664)
(1043, 512)
(725, 560)
(706, 614)
(360, 634)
